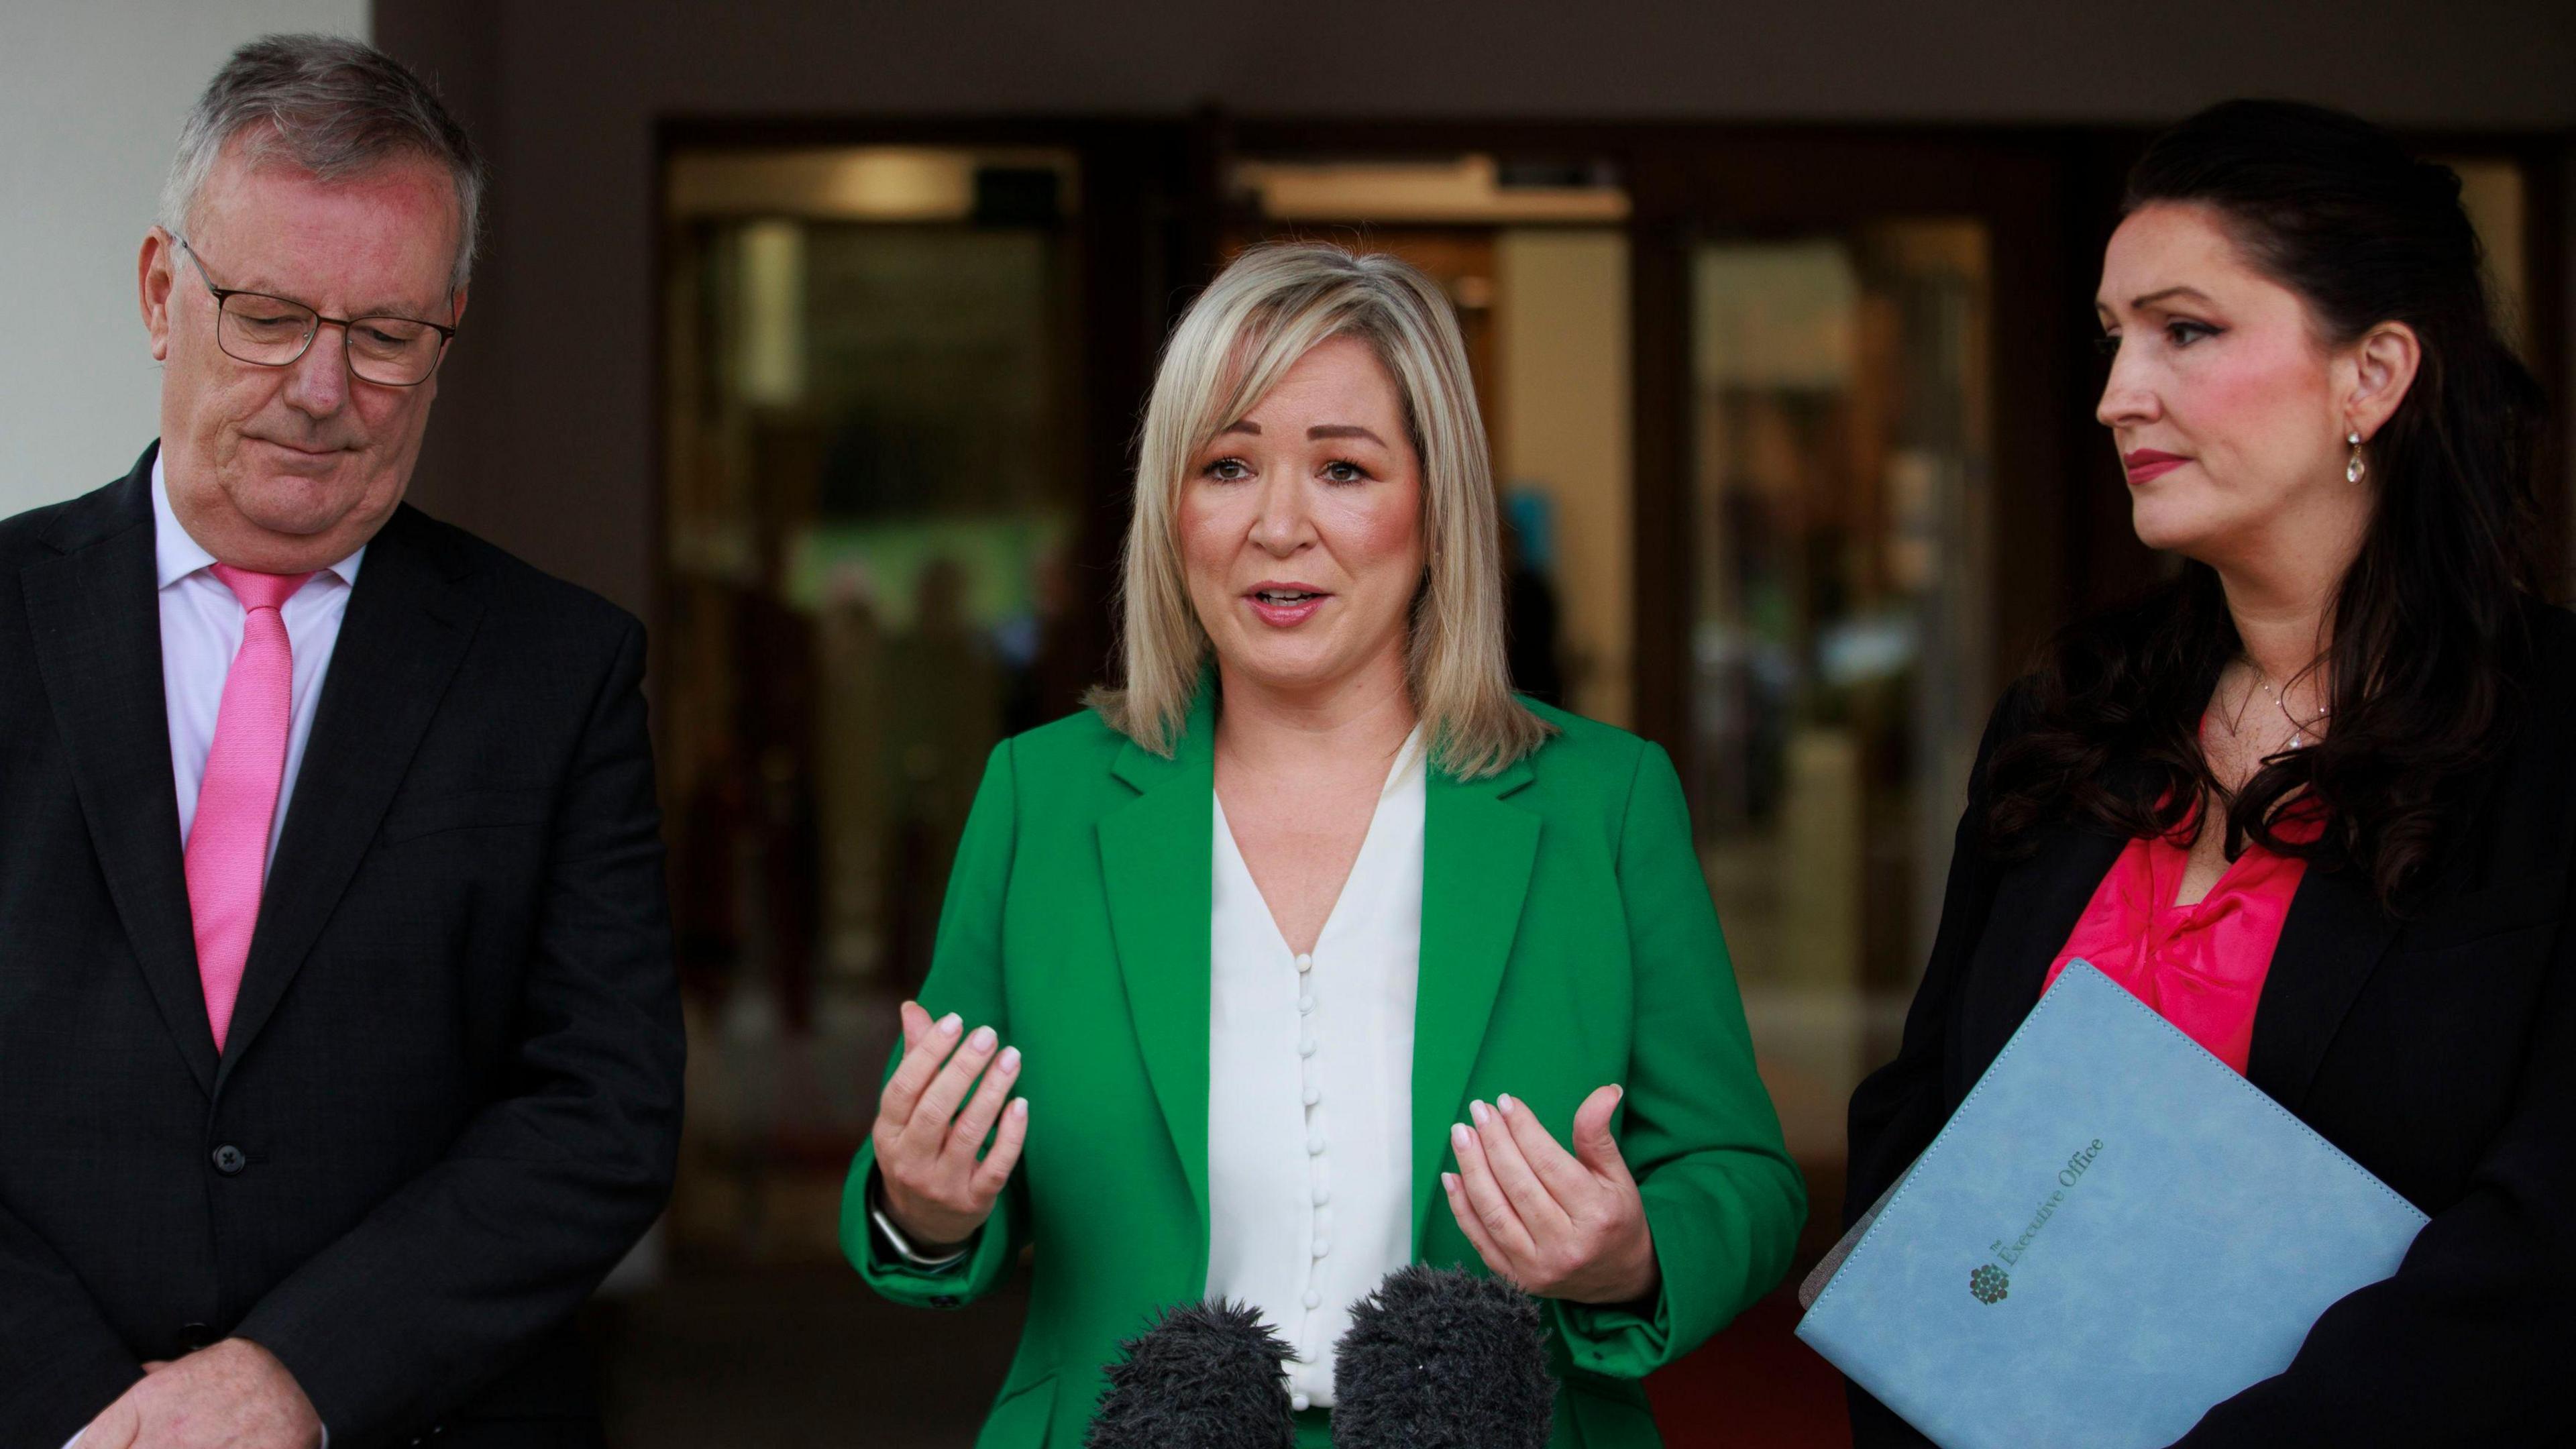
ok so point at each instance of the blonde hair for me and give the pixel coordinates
(1268, 309)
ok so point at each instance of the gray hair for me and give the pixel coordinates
(331, 107)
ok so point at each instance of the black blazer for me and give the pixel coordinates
(2439, 1051)
(450, 1096)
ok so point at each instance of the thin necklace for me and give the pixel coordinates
(2299, 739)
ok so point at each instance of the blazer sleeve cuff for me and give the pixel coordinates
(1628, 1340)
(1620, 1341)
(74, 1393)
(953, 1286)
(1710, 1253)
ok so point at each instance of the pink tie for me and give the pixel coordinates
(228, 844)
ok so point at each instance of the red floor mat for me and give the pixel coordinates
(1755, 1386)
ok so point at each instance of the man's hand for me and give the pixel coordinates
(235, 1395)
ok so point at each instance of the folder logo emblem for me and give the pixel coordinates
(1988, 1283)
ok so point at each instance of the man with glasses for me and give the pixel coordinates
(339, 1042)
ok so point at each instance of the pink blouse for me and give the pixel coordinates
(2200, 966)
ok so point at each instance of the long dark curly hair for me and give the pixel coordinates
(2430, 623)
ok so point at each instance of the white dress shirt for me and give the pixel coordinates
(1310, 1088)
(201, 631)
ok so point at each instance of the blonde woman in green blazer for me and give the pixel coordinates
(1316, 841)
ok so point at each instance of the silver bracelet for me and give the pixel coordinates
(913, 1258)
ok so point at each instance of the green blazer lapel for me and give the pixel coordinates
(1157, 854)
(1476, 858)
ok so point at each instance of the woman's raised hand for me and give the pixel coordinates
(929, 1131)
(1559, 1224)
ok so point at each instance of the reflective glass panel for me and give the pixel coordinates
(871, 463)
(1840, 634)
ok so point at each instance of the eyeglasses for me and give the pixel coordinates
(267, 331)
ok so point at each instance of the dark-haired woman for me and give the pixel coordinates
(2314, 800)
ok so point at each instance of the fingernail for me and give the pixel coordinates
(1458, 1135)
(950, 1023)
(1617, 1092)
(1020, 1106)
(1449, 1181)
(1505, 1102)
(983, 1039)
(1010, 1059)
(1480, 1112)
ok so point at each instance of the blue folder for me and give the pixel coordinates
(2113, 1233)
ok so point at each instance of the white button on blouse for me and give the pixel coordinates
(1310, 1088)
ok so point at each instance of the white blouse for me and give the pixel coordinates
(1310, 1088)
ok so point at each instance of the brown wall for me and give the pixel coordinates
(545, 440)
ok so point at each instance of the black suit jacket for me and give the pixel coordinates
(450, 1095)
(2439, 1051)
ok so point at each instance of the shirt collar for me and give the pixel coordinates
(176, 554)
(1407, 771)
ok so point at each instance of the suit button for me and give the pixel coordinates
(229, 1160)
(194, 1336)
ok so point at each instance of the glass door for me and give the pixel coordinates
(1535, 257)
(1839, 631)
(872, 487)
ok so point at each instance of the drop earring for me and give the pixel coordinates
(2353, 470)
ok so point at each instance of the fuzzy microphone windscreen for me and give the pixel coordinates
(1207, 1376)
(1438, 1358)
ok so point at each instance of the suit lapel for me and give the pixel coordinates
(1477, 852)
(2337, 932)
(96, 615)
(2035, 909)
(1157, 855)
(2331, 942)
(410, 617)
(2334, 937)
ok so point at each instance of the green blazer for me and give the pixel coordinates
(1567, 942)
